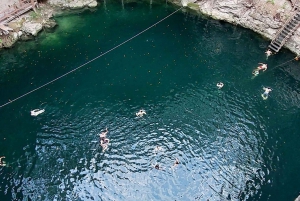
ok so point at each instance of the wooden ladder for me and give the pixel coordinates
(290, 26)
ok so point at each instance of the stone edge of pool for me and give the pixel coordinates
(263, 17)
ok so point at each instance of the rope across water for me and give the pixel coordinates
(11, 101)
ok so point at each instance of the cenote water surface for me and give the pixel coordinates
(232, 145)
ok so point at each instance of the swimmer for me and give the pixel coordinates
(36, 112)
(158, 148)
(262, 67)
(268, 53)
(2, 163)
(176, 162)
(140, 113)
(220, 85)
(266, 92)
(255, 72)
(157, 166)
(104, 147)
(103, 134)
(104, 143)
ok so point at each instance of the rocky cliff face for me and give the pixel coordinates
(30, 24)
(73, 4)
(263, 17)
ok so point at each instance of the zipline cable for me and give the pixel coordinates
(11, 101)
(283, 63)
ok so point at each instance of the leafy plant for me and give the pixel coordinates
(271, 1)
(33, 15)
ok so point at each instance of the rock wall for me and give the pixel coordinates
(73, 4)
(263, 17)
(30, 24)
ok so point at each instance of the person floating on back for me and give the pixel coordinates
(140, 113)
(220, 85)
(267, 90)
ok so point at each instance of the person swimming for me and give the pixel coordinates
(176, 162)
(140, 113)
(103, 134)
(268, 53)
(157, 167)
(158, 148)
(255, 72)
(220, 85)
(2, 163)
(103, 140)
(104, 143)
(265, 95)
(262, 67)
(36, 112)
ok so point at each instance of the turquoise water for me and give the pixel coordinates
(231, 144)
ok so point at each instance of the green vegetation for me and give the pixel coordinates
(271, 1)
(193, 5)
(33, 15)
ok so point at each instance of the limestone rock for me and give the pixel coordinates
(76, 4)
(9, 41)
(49, 24)
(20, 33)
(73, 4)
(31, 28)
(93, 4)
(260, 16)
(15, 35)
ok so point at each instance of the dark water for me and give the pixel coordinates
(231, 144)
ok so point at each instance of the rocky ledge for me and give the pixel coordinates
(73, 4)
(30, 24)
(264, 17)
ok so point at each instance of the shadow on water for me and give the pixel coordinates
(231, 144)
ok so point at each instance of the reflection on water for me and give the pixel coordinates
(228, 142)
